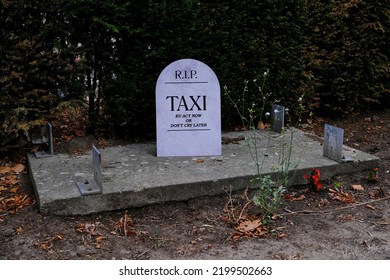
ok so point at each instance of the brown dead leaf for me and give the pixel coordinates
(2, 188)
(100, 238)
(199, 160)
(357, 187)
(341, 195)
(14, 190)
(102, 141)
(11, 180)
(376, 193)
(79, 227)
(46, 245)
(368, 119)
(282, 235)
(18, 230)
(261, 231)
(5, 169)
(125, 225)
(79, 132)
(236, 236)
(60, 236)
(300, 198)
(34, 149)
(248, 226)
(15, 202)
(384, 222)
(19, 168)
(323, 202)
(346, 217)
(261, 125)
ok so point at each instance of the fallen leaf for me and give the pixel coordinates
(5, 169)
(323, 202)
(282, 235)
(19, 168)
(341, 196)
(100, 238)
(247, 226)
(300, 198)
(368, 119)
(236, 236)
(384, 223)
(2, 188)
(46, 245)
(35, 149)
(260, 231)
(346, 217)
(199, 160)
(14, 190)
(79, 227)
(11, 180)
(18, 230)
(79, 132)
(357, 187)
(261, 125)
(60, 236)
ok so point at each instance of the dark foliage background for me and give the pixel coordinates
(107, 55)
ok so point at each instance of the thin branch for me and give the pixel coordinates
(248, 202)
(332, 210)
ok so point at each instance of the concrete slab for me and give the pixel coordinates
(133, 176)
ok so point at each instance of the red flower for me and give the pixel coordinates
(314, 179)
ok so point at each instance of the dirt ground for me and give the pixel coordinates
(349, 218)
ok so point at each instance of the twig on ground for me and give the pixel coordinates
(332, 210)
(125, 224)
(248, 201)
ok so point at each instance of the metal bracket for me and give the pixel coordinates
(49, 142)
(96, 186)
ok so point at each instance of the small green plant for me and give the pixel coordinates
(339, 186)
(373, 176)
(269, 196)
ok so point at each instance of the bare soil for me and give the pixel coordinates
(350, 224)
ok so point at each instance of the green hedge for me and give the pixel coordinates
(348, 54)
(334, 53)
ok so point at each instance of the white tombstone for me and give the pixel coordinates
(188, 110)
